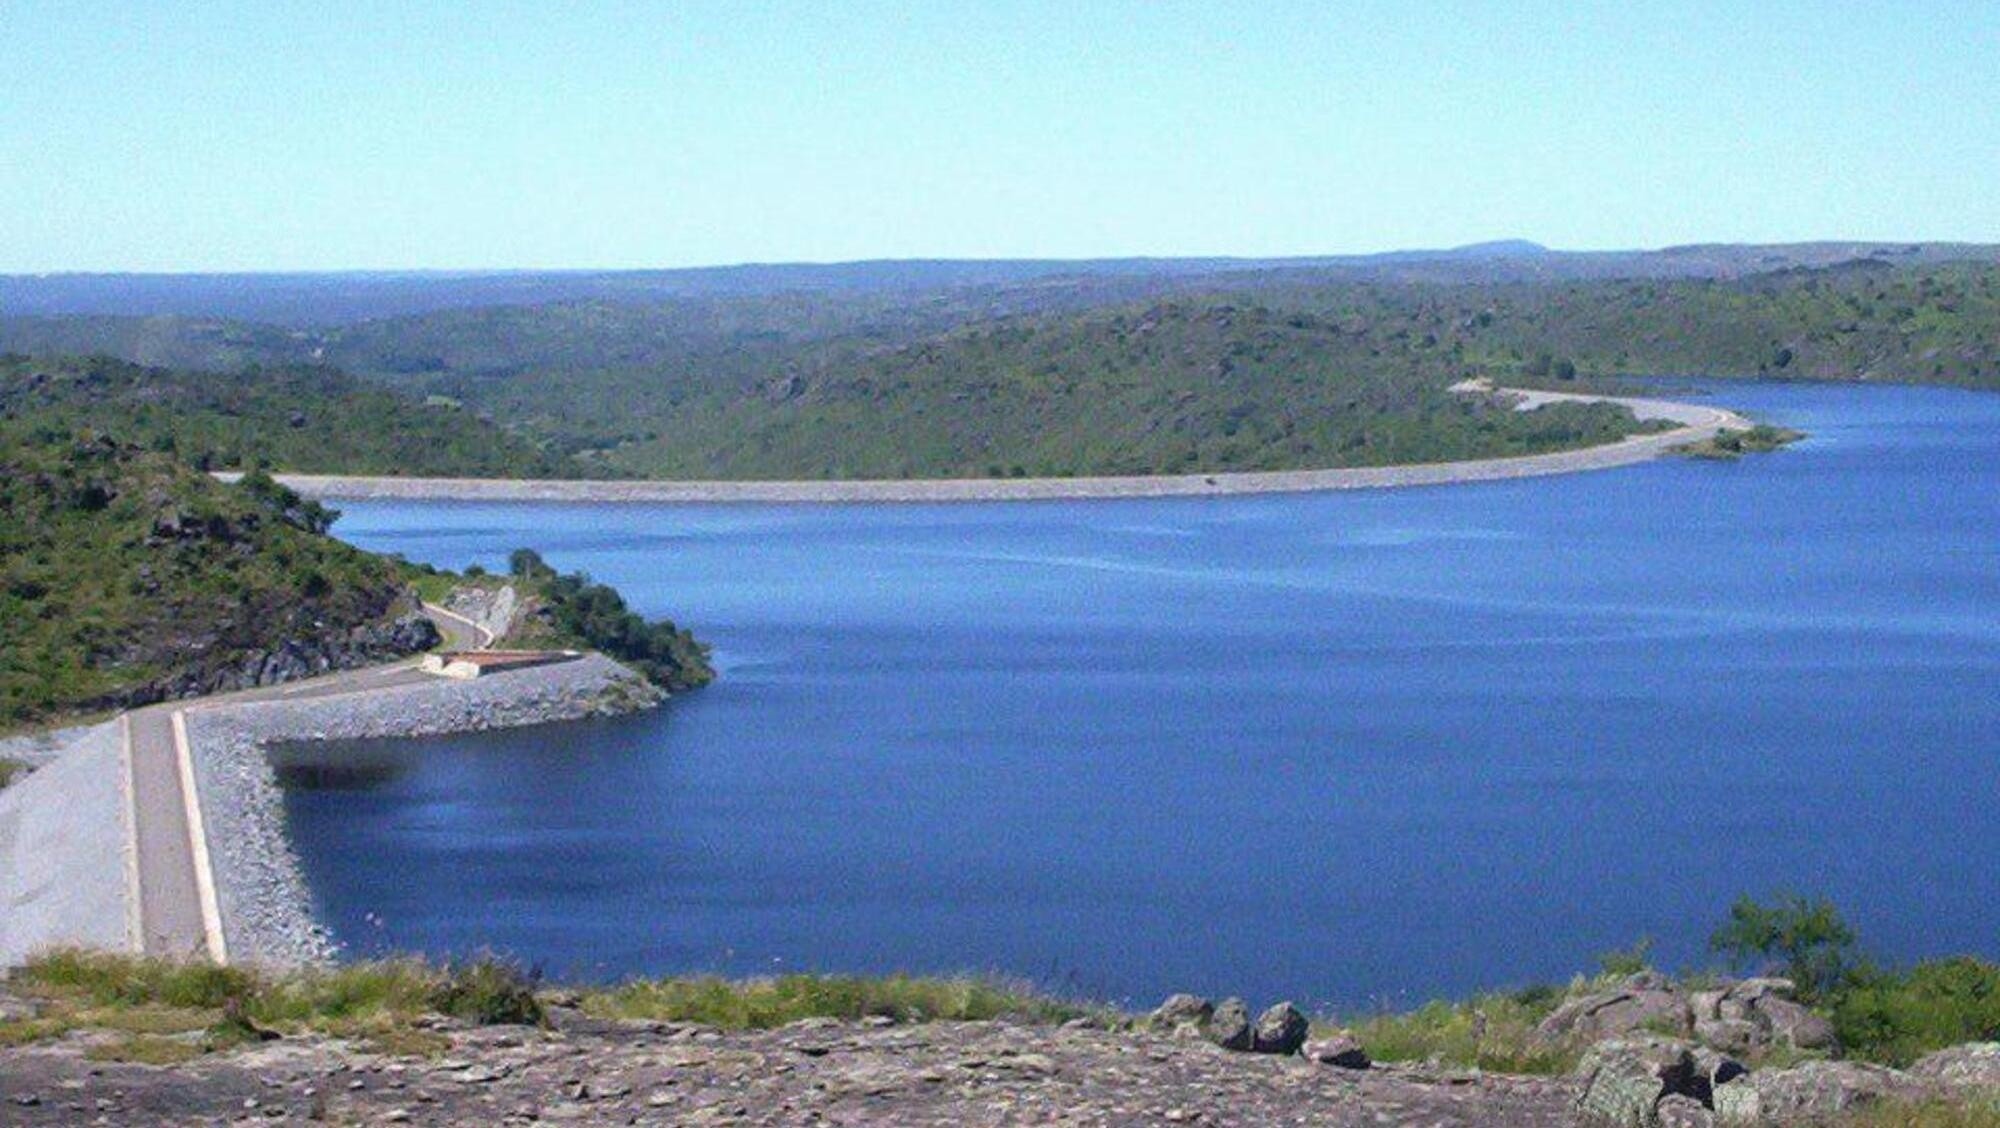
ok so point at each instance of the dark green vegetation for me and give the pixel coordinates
(1803, 936)
(11, 770)
(1172, 388)
(927, 370)
(1760, 439)
(571, 609)
(127, 576)
(1861, 321)
(305, 419)
(1881, 1015)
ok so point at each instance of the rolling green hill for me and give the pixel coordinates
(126, 576)
(1195, 368)
(1176, 387)
(1863, 321)
(293, 418)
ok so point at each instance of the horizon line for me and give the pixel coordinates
(1526, 248)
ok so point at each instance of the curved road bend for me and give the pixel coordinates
(171, 919)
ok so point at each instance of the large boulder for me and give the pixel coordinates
(1677, 1110)
(1279, 1030)
(1755, 1015)
(1644, 1003)
(1811, 1092)
(1974, 1066)
(1342, 1051)
(1625, 1079)
(1229, 1025)
(1182, 1014)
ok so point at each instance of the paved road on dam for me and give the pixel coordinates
(176, 912)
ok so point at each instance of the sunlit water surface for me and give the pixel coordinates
(1343, 748)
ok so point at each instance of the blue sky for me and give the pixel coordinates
(210, 136)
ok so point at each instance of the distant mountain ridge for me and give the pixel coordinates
(305, 299)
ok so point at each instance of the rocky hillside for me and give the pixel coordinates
(128, 577)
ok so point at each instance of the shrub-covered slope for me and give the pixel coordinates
(1168, 388)
(1229, 369)
(302, 419)
(126, 576)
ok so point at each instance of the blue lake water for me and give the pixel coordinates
(1349, 749)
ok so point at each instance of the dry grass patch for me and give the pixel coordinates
(148, 1049)
(766, 1003)
(1931, 1114)
(200, 1007)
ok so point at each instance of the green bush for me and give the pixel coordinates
(1802, 937)
(597, 615)
(1897, 1017)
(489, 991)
(1627, 961)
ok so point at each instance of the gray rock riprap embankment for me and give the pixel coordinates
(266, 907)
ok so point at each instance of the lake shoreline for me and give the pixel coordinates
(1696, 424)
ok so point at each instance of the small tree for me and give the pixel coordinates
(1805, 937)
(528, 564)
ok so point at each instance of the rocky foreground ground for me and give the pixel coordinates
(1190, 1062)
(817, 1071)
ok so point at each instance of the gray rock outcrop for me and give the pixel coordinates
(1646, 1002)
(1626, 1079)
(1742, 1017)
(1229, 1025)
(1676, 1110)
(1811, 1092)
(1279, 1030)
(1973, 1067)
(1755, 1015)
(1182, 1014)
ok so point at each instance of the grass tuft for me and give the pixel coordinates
(766, 1003)
(1929, 1114)
(489, 991)
(148, 1049)
(1492, 1032)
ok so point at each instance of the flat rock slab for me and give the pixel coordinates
(957, 1074)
